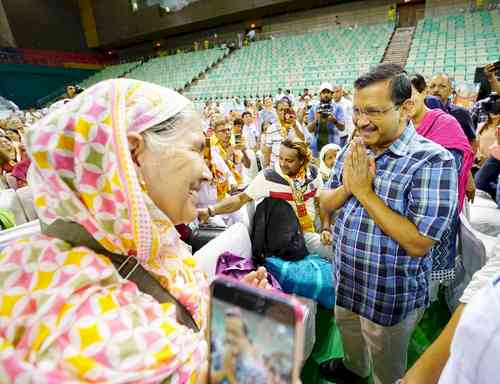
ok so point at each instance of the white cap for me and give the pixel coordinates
(327, 86)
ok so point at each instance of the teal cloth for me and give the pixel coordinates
(310, 277)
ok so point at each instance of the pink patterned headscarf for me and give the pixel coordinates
(83, 172)
(80, 153)
(66, 315)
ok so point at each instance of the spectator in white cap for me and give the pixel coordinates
(326, 121)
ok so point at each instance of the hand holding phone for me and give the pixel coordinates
(490, 69)
(256, 335)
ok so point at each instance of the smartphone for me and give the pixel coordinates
(256, 335)
(237, 138)
(289, 115)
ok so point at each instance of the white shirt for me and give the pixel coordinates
(208, 193)
(346, 106)
(261, 188)
(279, 96)
(475, 350)
(481, 278)
(221, 109)
(205, 125)
(273, 140)
(250, 135)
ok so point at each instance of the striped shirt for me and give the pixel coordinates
(270, 183)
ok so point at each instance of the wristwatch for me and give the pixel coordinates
(211, 211)
(326, 229)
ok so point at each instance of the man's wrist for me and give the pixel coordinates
(326, 229)
(365, 196)
(346, 193)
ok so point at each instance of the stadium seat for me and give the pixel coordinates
(456, 44)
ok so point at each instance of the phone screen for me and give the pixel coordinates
(252, 338)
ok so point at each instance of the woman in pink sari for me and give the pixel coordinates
(112, 172)
(442, 128)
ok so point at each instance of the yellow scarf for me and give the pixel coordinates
(230, 164)
(297, 183)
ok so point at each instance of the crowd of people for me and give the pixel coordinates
(358, 202)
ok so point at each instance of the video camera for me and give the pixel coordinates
(325, 109)
(492, 104)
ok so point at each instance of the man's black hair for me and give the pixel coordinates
(238, 316)
(399, 81)
(484, 89)
(238, 121)
(418, 81)
(246, 113)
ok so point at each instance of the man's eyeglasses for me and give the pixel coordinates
(372, 113)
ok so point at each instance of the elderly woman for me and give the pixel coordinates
(113, 171)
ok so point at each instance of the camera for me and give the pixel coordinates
(325, 109)
(496, 65)
(492, 104)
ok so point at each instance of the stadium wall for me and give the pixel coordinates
(448, 7)
(25, 84)
(359, 12)
(6, 37)
(120, 28)
(116, 22)
(46, 24)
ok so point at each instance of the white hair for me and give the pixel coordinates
(163, 135)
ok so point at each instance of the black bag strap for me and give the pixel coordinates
(128, 266)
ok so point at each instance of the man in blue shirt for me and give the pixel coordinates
(326, 121)
(395, 194)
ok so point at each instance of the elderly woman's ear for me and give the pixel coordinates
(137, 146)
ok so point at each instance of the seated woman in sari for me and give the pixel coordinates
(113, 171)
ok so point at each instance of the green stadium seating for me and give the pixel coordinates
(175, 71)
(296, 62)
(113, 71)
(178, 70)
(455, 44)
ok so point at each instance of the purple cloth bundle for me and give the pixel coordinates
(237, 267)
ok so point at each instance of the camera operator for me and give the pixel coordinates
(488, 174)
(326, 121)
(489, 84)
